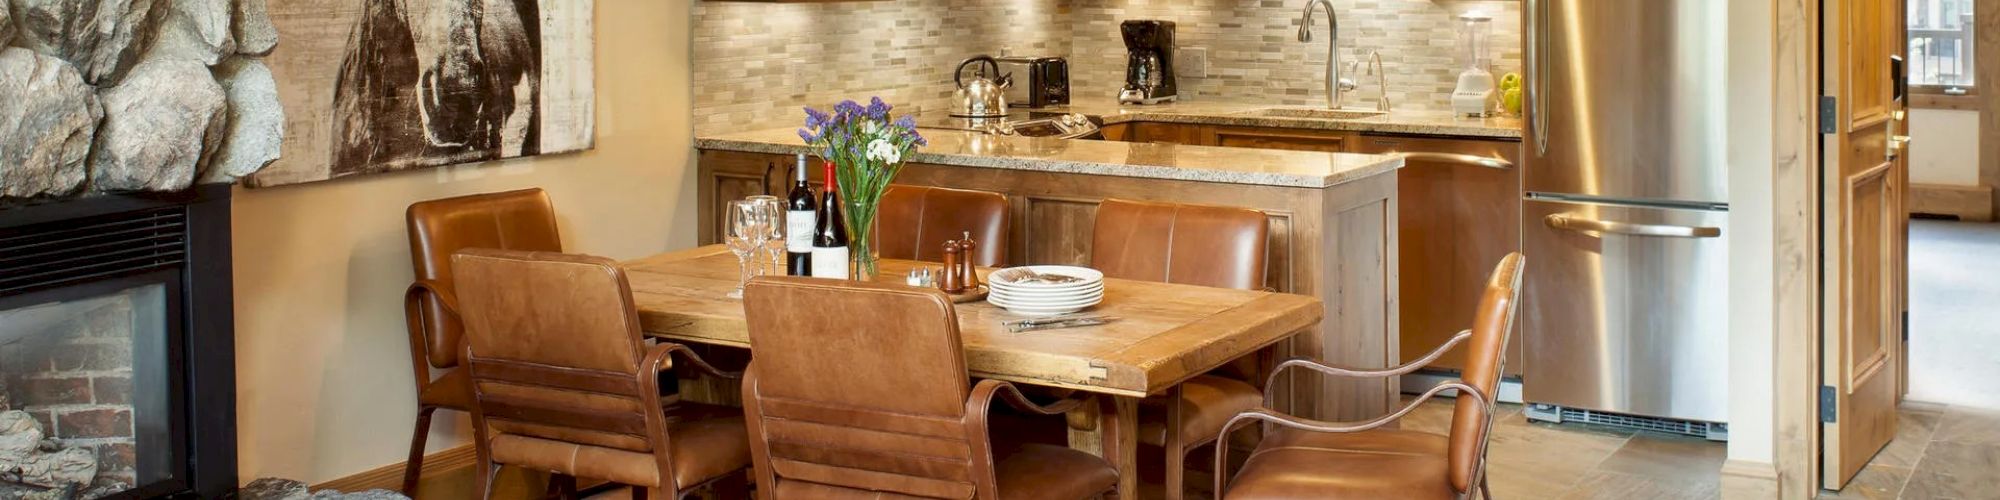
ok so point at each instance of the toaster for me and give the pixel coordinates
(1038, 82)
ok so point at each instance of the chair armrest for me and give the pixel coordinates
(1405, 369)
(982, 398)
(1273, 417)
(660, 358)
(414, 295)
(413, 318)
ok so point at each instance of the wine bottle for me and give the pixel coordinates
(799, 223)
(829, 253)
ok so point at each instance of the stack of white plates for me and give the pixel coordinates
(1015, 291)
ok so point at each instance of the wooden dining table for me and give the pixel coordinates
(1166, 334)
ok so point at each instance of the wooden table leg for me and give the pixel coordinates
(1110, 429)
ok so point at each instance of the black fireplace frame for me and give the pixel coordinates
(197, 271)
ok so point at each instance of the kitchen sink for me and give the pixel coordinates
(1315, 114)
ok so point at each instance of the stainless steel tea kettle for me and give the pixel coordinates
(980, 97)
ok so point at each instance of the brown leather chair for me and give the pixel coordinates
(562, 380)
(1220, 247)
(914, 222)
(1303, 458)
(515, 220)
(844, 405)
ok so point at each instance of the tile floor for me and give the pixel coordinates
(1534, 460)
(1950, 446)
(1942, 450)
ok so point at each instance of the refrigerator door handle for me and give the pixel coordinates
(1573, 223)
(1538, 75)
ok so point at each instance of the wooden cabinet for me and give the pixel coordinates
(1459, 218)
(1273, 138)
(1337, 243)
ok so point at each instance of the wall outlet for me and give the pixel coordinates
(1191, 62)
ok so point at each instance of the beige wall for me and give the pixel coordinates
(1752, 332)
(323, 382)
(1945, 147)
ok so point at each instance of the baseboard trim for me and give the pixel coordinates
(390, 477)
(1967, 203)
(1417, 383)
(1744, 479)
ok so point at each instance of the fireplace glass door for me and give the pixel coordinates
(86, 386)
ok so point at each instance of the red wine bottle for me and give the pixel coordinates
(829, 253)
(800, 219)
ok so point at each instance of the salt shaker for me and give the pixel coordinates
(969, 270)
(954, 274)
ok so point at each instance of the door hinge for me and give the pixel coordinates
(1828, 405)
(1906, 327)
(1829, 112)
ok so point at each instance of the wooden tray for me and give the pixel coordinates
(974, 295)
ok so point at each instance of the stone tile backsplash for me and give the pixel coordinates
(1254, 51)
(756, 64)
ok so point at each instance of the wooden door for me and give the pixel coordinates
(1862, 207)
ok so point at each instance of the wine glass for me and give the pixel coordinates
(774, 232)
(746, 231)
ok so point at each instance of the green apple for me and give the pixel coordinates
(1510, 81)
(1510, 99)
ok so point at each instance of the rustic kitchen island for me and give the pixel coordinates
(1333, 224)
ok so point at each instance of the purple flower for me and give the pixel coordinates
(847, 109)
(815, 118)
(808, 136)
(877, 109)
(907, 122)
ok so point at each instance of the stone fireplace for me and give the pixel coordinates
(117, 369)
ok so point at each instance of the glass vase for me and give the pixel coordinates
(865, 259)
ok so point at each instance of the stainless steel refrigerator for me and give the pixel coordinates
(1625, 213)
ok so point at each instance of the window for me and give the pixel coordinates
(1941, 46)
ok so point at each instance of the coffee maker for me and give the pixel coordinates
(1149, 72)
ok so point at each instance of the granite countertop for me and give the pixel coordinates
(1263, 167)
(1246, 114)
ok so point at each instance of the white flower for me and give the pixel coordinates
(883, 151)
(870, 128)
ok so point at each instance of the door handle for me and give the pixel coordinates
(1538, 110)
(1459, 159)
(1573, 223)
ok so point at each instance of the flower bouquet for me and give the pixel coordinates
(867, 150)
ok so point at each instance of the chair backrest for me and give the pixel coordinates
(914, 222)
(513, 220)
(554, 349)
(859, 387)
(1486, 354)
(1202, 245)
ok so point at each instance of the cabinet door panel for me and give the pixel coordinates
(1458, 220)
(1265, 138)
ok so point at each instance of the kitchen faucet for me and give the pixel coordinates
(1335, 85)
(1381, 75)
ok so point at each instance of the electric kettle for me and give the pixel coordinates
(980, 97)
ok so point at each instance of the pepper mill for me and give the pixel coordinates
(954, 277)
(970, 270)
